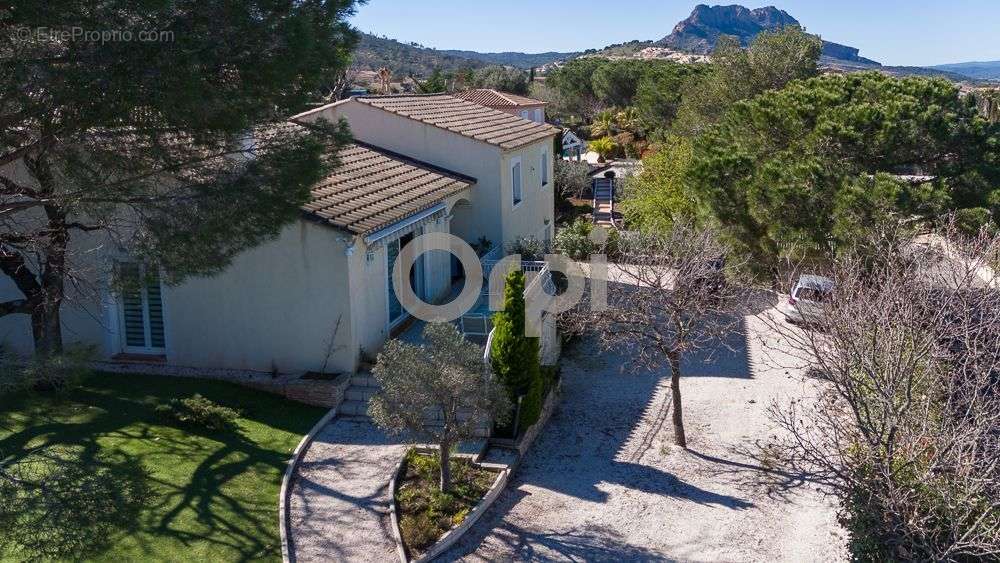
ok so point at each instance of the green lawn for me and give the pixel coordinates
(215, 495)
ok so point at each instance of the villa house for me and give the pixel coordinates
(513, 104)
(320, 295)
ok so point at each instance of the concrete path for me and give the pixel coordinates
(340, 499)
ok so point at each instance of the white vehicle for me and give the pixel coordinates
(805, 304)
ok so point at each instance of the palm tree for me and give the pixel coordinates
(603, 147)
(604, 124)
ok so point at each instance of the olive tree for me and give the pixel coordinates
(440, 392)
(667, 296)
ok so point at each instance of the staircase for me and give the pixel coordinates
(362, 388)
(604, 202)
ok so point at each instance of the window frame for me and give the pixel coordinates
(516, 179)
(545, 167)
(147, 348)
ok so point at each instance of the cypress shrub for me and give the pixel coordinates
(513, 355)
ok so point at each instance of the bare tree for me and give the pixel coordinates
(447, 378)
(906, 426)
(667, 295)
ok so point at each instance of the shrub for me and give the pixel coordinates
(531, 405)
(550, 377)
(419, 529)
(574, 240)
(604, 147)
(199, 411)
(513, 355)
(572, 178)
(482, 246)
(970, 221)
(55, 373)
(529, 248)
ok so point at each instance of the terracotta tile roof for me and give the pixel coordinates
(463, 117)
(373, 188)
(496, 99)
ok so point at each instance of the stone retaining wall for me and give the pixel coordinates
(320, 393)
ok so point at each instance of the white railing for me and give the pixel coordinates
(541, 289)
(489, 344)
(533, 265)
(541, 286)
(490, 259)
(476, 324)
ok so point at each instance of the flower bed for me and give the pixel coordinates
(425, 513)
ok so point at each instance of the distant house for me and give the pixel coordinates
(572, 145)
(320, 295)
(513, 104)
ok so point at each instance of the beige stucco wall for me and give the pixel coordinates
(516, 110)
(493, 213)
(528, 217)
(275, 308)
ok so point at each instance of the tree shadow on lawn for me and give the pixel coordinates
(210, 488)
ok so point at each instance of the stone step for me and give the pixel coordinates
(353, 408)
(363, 380)
(360, 393)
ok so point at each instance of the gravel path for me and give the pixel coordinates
(340, 498)
(604, 483)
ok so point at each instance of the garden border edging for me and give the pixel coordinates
(456, 533)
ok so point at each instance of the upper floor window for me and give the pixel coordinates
(515, 175)
(545, 168)
(539, 115)
(526, 114)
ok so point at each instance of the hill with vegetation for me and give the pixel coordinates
(983, 70)
(512, 58)
(405, 59)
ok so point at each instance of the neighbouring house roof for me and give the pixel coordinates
(496, 99)
(373, 188)
(463, 117)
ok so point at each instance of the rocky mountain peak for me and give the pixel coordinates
(701, 30)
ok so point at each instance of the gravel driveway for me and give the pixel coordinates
(604, 482)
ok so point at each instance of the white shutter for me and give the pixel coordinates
(141, 309)
(515, 173)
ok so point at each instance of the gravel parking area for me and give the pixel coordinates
(605, 483)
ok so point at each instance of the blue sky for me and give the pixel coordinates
(898, 32)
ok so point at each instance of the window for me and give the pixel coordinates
(526, 114)
(395, 307)
(515, 175)
(545, 168)
(141, 308)
(811, 294)
(539, 115)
